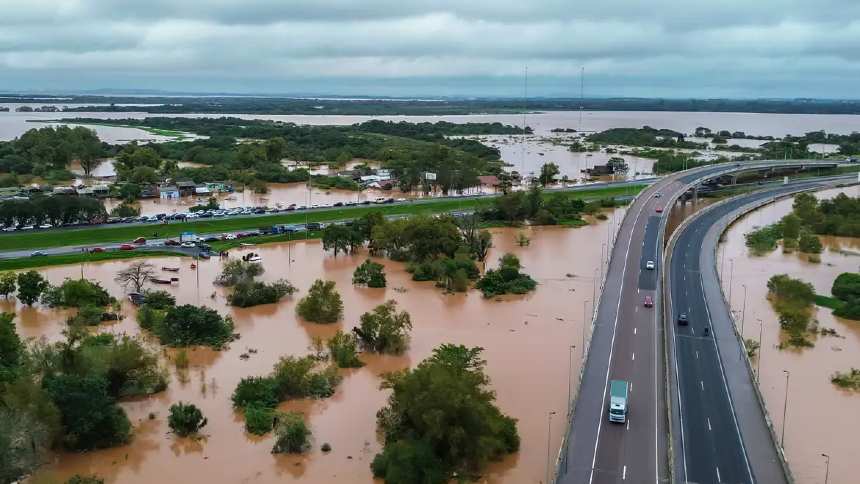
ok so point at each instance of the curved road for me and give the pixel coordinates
(627, 344)
(722, 435)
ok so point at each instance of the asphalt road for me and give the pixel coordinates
(721, 434)
(627, 344)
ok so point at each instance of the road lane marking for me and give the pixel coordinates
(719, 479)
(709, 424)
(697, 354)
(634, 330)
(628, 424)
(702, 383)
(624, 474)
(633, 357)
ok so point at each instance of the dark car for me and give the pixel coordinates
(96, 250)
(338, 204)
(682, 319)
(314, 226)
(171, 242)
(126, 247)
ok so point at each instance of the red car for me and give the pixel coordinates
(649, 303)
(96, 250)
(126, 247)
(139, 240)
(659, 209)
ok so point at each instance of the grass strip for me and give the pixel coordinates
(121, 233)
(56, 260)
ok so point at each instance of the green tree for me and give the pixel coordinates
(91, 419)
(343, 348)
(291, 433)
(322, 304)
(185, 419)
(507, 279)
(8, 284)
(31, 284)
(259, 420)
(370, 274)
(253, 293)
(76, 293)
(337, 238)
(791, 226)
(11, 349)
(236, 271)
(87, 479)
(466, 429)
(846, 286)
(809, 243)
(384, 330)
(192, 325)
(547, 173)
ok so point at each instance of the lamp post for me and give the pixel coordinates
(569, 378)
(731, 276)
(548, 435)
(826, 467)
(784, 409)
(744, 311)
(760, 351)
(584, 320)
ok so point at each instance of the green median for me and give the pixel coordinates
(56, 260)
(104, 234)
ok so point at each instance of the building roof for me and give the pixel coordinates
(488, 180)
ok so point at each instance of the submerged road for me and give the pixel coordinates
(627, 344)
(722, 434)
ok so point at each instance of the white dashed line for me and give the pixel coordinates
(634, 330)
(624, 474)
(702, 384)
(634, 357)
(709, 423)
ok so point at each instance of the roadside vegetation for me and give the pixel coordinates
(845, 301)
(849, 380)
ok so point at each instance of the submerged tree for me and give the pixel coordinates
(136, 275)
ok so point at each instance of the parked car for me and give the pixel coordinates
(189, 245)
(95, 250)
(682, 319)
(139, 240)
(648, 303)
(126, 247)
(171, 242)
(38, 253)
(45, 226)
(314, 226)
(229, 236)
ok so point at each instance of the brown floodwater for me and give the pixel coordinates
(526, 341)
(821, 418)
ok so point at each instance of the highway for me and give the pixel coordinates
(721, 431)
(627, 344)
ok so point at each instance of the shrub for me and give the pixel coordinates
(77, 293)
(159, 299)
(343, 350)
(8, 283)
(291, 433)
(129, 368)
(384, 330)
(257, 391)
(91, 419)
(370, 274)
(810, 244)
(507, 279)
(87, 315)
(88, 479)
(149, 318)
(11, 349)
(846, 286)
(236, 271)
(192, 325)
(252, 293)
(31, 284)
(185, 419)
(322, 304)
(259, 420)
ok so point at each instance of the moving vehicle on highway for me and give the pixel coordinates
(38, 253)
(139, 240)
(683, 320)
(126, 247)
(659, 210)
(649, 265)
(96, 250)
(618, 401)
(648, 302)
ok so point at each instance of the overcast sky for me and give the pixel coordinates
(666, 48)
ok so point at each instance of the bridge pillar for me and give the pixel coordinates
(695, 194)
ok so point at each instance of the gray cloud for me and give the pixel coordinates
(445, 47)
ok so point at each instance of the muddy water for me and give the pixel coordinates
(821, 417)
(527, 342)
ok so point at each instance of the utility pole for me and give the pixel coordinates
(569, 378)
(826, 467)
(585, 320)
(760, 352)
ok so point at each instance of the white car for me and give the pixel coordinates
(45, 226)
(649, 265)
(229, 236)
(189, 245)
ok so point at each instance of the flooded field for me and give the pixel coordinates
(14, 124)
(821, 418)
(526, 341)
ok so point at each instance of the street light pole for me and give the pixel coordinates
(826, 467)
(569, 378)
(731, 276)
(744, 311)
(584, 321)
(548, 435)
(760, 351)
(784, 409)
